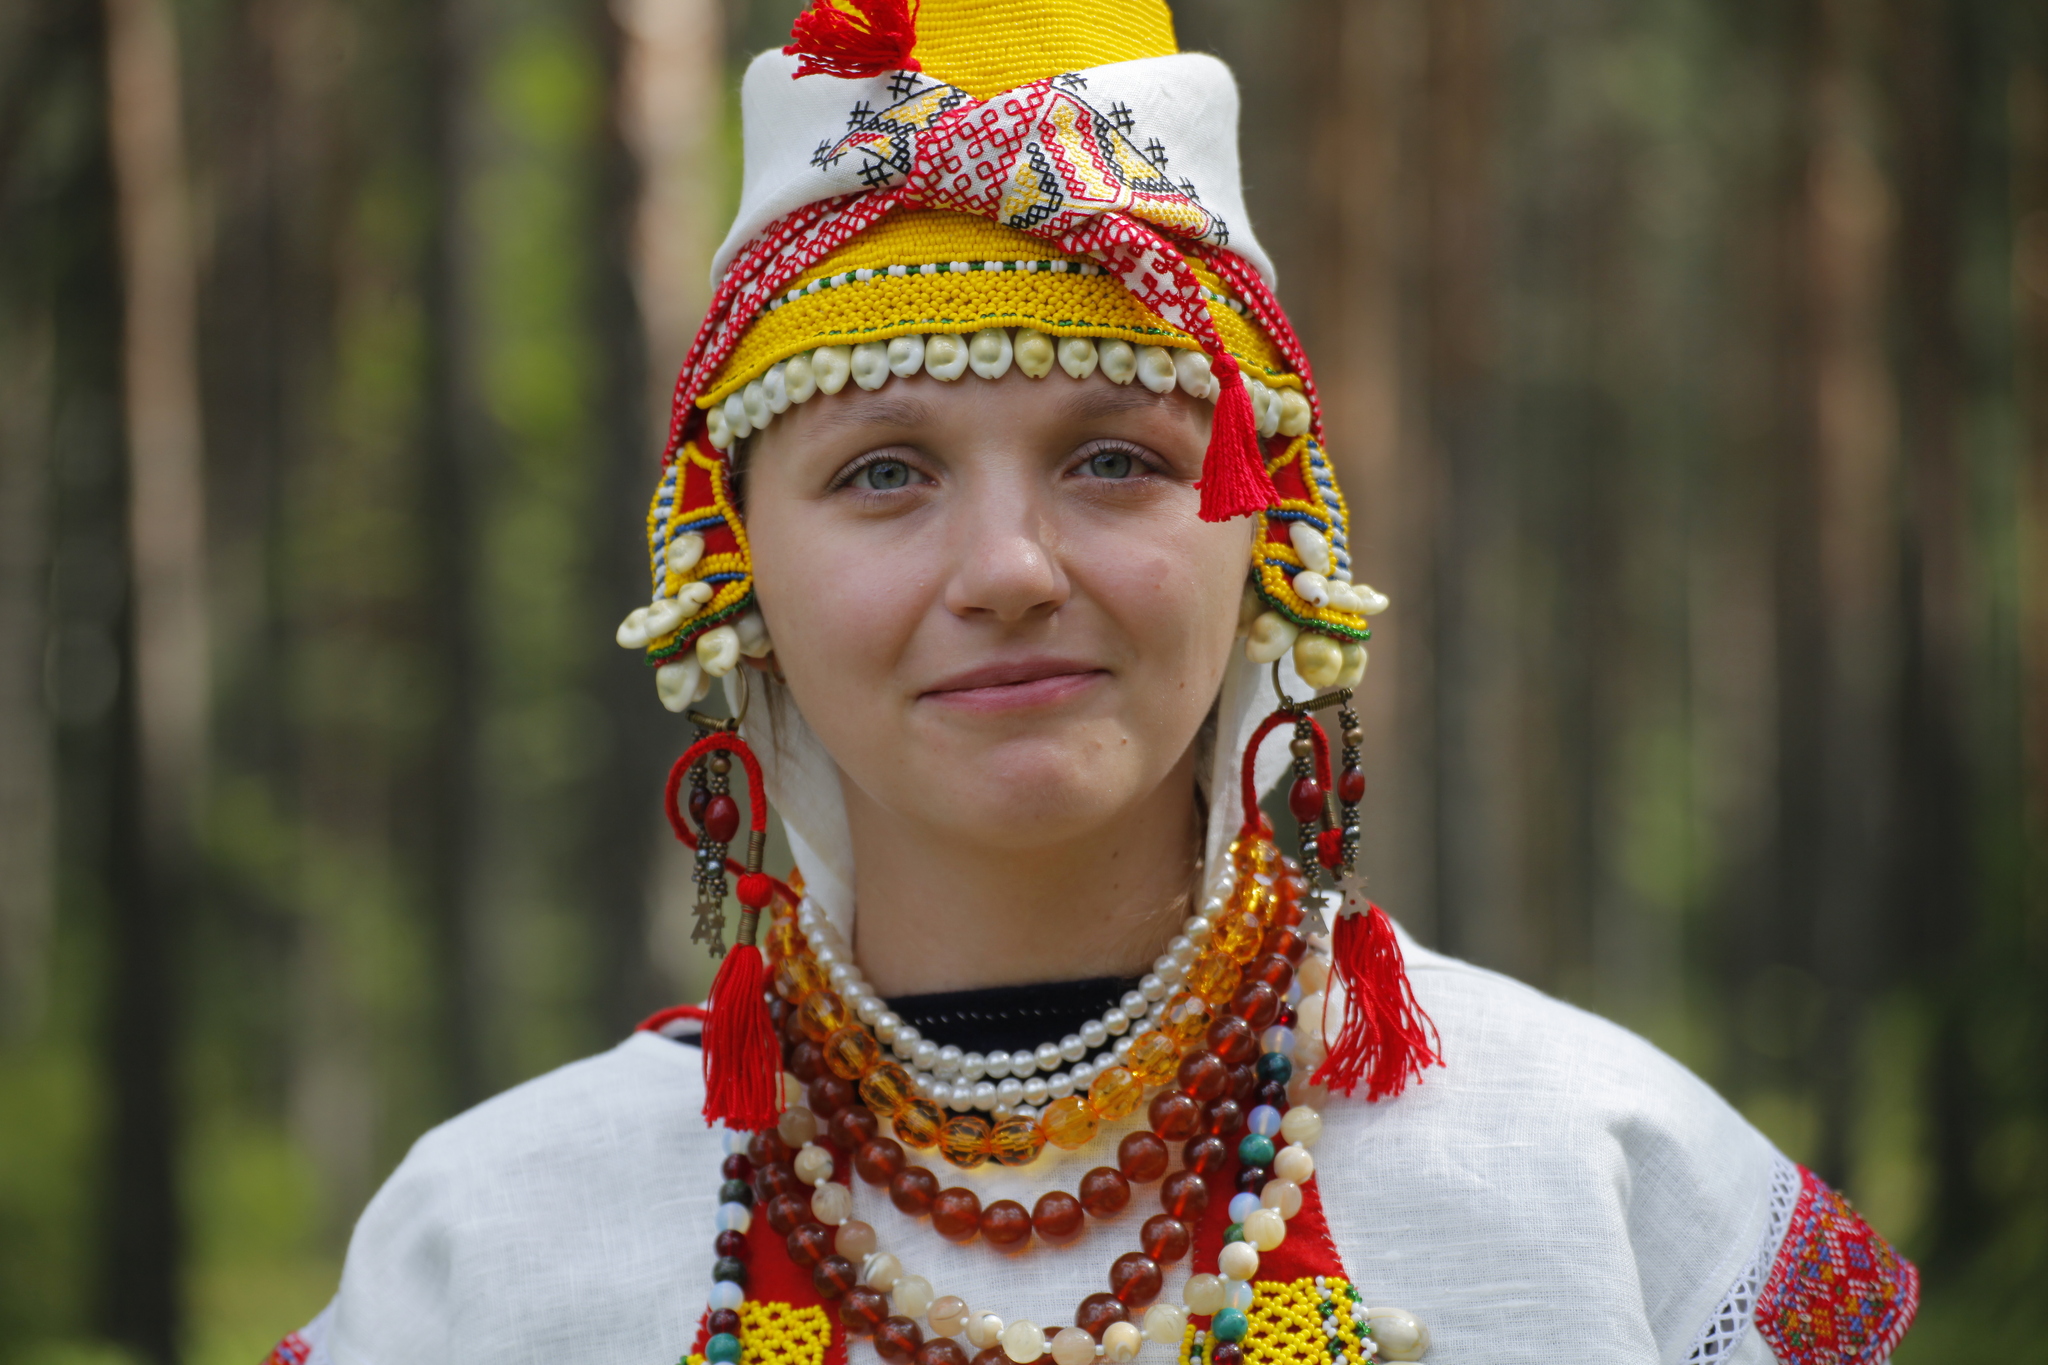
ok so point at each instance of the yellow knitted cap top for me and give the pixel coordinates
(988, 46)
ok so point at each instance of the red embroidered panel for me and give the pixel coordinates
(293, 1350)
(1838, 1294)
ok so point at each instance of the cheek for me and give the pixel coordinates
(839, 607)
(1175, 597)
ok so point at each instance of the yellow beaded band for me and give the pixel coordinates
(929, 272)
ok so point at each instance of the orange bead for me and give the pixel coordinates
(886, 1090)
(1237, 936)
(1253, 897)
(797, 977)
(1186, 1017)
(918, 1122)
(852, 1053)
(785, 940)
(821, 1015)
(1115, 1094)
(1153, 1058)
(963, 1140)
(1015, 1141)
(1214, 977)
(1070, 1123)
(1256, 855)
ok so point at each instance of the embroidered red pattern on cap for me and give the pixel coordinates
(1838, 1294)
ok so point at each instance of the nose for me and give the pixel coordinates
(1006, 563)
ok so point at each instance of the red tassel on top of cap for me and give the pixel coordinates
(853, 39)
(1234, 479)
(1387, 1039)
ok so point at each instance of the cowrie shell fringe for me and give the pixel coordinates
(988, 353)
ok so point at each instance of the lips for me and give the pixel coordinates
(1016, 683)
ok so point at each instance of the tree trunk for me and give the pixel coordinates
(450, 523)
(161, 771)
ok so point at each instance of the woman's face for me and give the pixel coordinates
(993, 600)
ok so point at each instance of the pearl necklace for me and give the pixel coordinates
(1005, 1083)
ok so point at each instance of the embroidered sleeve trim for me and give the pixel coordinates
(1837, 1294)
(307, 1346)
(1723, 1331)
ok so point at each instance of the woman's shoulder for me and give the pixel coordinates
(641, 1093)
(551, 1203)
(1557, 1146)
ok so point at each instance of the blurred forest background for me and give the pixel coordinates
(1687, 360)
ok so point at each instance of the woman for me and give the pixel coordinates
(997, 468)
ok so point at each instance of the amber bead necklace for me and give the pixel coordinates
(1244, 964)
(1238, 1081)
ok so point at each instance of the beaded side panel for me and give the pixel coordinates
(693, 496)
(1313, 1321)
(778, 1334)
(1837, 1294)
(1308, 493)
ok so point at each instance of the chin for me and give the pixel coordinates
(1023, 795)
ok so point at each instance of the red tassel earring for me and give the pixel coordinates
(1386, 1038)
(742, 1064)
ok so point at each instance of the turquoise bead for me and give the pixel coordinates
(1229, 1324)
(1274, 1066)
(723, 1348)
(1255, 1150)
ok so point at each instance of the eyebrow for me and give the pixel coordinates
(1094, 401)
(890, 412)
(1091, 402)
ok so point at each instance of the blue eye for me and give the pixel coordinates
(1111, 464)
(882, 475)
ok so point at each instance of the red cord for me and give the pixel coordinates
(661, 1019)
(1254, 817)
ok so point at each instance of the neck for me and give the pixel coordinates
(939, 914)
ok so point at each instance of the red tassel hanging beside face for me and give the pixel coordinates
(854, 38)
(742, 1064)
(1234, 478)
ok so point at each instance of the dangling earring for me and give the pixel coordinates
(1386, 1039)
(742, 1065)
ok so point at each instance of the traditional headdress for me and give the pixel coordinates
(980, 185)
(962, 188)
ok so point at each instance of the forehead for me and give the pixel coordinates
(1013, 405)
